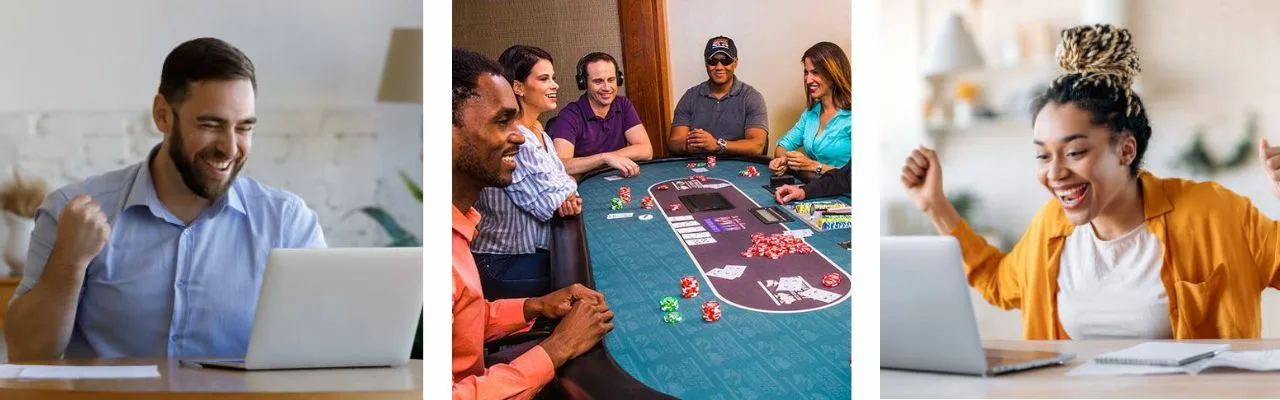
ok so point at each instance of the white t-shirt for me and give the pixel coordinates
(1112, 289)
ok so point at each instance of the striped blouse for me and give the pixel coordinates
(516, 218)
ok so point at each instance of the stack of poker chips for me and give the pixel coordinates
(831, 280)
(828, 222)
(699, 178)
(662, 187)
(804, 208)
(751, 171)
(711, 161)
(646, 202)
(624, 193)
(669, 307)
(711, 311)
(696, 164)
(673, 207)
(615, 204)
(775, 246)
(668, 304)
(689, 287)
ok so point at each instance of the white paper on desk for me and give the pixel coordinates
(1260, 360)
(87, 372)
(1095, 369)
(9, 371)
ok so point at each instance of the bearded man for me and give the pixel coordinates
(163, 258)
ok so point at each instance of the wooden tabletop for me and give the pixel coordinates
(1052, 382)
(182, 382)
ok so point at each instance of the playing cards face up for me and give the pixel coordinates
(819, 295)
(790, 284)
(727, 272)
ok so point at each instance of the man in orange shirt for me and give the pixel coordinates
(485, 143)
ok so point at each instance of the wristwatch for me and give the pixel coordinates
(819, 169)
(721, 143)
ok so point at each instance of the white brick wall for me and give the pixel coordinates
(329, 157)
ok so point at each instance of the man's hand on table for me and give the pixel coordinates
(558, 303)
(586, 319)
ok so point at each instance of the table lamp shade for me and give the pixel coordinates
(402, 73)
(953, 51)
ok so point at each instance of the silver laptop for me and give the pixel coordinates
(334, 308)
(926, 317)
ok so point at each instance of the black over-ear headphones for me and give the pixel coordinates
(581, 78)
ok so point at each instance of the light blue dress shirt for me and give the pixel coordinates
(833, 147)
(517, 218)
(164, 289)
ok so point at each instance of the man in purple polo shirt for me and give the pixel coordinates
(601, 128)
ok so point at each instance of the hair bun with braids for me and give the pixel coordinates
(1099, 65)
(1099, 55)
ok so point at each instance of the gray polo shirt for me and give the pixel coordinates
(727, 118)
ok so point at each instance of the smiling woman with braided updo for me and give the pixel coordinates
(1116, 252)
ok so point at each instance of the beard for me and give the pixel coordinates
(468, 160)
(192, 175)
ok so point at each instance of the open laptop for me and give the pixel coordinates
(926, 317)
(334, 308)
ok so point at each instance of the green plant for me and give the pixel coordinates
(964, 202)
(399, 236)
(1197, 160)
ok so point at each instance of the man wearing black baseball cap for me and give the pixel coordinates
(722, 115)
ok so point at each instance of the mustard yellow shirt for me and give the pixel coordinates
(1219, 254)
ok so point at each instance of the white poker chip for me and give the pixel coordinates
(646, 217)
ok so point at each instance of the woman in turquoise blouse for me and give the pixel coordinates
(819, 142)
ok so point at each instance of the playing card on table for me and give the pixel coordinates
(699, 170)
(819, 295)
(612, 178)
(737, 269)
(800, 233)
(698, 241)
(620, 215)
(790, 283)
(721, 273)
(691, 229)
(693, 235)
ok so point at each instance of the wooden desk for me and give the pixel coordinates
(8, 284)
(1053, 382)
(182, 382)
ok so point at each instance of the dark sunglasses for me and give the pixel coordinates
(719, 60)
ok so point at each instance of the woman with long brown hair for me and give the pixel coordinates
(819, 141)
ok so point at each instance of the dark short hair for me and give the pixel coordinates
(201, 60)
(467, 68)
(518, 61)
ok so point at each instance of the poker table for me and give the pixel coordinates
(771, 341)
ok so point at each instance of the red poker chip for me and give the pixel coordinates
(662, 187)
(688, 280)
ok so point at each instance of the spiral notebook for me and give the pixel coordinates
(1167, 354)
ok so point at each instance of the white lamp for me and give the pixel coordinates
(953, 52)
